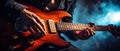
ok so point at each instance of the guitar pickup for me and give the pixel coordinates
(51, 26)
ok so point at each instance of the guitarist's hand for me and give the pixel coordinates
(29, 21)
(85, 34)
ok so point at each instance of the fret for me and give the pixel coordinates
(76, 27)
(73, 27)
(70, 26)
(79, 26)
(82, 27)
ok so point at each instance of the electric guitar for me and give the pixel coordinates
(54, 26)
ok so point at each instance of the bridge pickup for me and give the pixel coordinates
(51, 26)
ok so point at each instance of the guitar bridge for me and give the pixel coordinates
(51, 26)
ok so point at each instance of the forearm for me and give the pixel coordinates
(12, 4)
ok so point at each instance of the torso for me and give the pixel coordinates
(42, 4)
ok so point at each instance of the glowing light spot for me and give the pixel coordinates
(113, 17)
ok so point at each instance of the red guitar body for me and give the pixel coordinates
(48, 38)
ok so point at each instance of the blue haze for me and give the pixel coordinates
(103, 13)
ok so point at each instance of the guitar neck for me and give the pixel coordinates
(100, 28)
(62, 27)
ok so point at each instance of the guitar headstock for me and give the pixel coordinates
(115, 30)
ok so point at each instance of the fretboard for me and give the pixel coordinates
(62, 27)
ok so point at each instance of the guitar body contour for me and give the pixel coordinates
(7, 30)
(48, 37)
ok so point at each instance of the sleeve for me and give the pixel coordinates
(12, 4)
(10, 9)
(69, 34)
(71, 7)
(71, 4)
